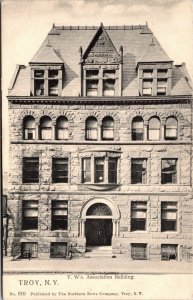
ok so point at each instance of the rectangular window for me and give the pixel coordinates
(112, 168)
(53, 87)
(162, 72)
(39, 73)
(29, 134)
(168, 216)
(168, 171)
(147, 73)
(169, 252)
(60, 170)
(99, 170)
(92, 87)
(86, 170)
(58, 250)
(109, 87)
(53, 73)
(161, 86)
(139, 251)
(138, 171)
(147, 87)
(59, 215)
(30, 215)
(30, 169)
(29, 250)
(138, 216)
(39, 87)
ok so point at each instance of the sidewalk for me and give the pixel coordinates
(96, 265)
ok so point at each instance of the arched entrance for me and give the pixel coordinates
(98, 227)
(99, 222)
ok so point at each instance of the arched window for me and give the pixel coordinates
(45, 128)
(108, 128)
(171, 129)
(91, 128)
(29, 128)
(154, 129)
(137, 129)
(62, 128)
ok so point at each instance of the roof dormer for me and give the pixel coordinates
(101, 67)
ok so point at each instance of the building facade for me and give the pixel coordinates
(101, 147)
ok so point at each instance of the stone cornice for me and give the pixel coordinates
(115, 143)
(132, 100)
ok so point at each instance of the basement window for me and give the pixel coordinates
(58, 250)
(139, 251)
(29, 250)
(169, 252)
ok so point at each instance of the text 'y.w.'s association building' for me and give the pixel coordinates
(100, 147)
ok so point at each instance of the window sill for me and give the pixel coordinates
(30, 230)
(139, 231)
(100, 186)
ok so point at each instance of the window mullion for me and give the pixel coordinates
(106, 177)
(46, 82)
(100, 83)
(92, 166)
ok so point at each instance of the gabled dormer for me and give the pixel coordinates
(155, 71)
(46, 72)
(101, 67)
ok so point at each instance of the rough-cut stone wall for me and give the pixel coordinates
(77, 193)
(122, 114)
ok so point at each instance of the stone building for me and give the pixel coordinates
(100, 147)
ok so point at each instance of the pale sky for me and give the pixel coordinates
(25, 24)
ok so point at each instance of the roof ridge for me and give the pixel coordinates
(94, 27)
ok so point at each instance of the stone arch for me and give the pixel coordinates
(63, 114)
(136, 113)
(46, 113)
(157, 114)
(114, 209)
(110, 114)
(115, 215)
(28, 113)
(176, 114)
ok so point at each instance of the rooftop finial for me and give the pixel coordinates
(152, 42)
(146, 23)
(53, 25)
(80, 50)
(48, 44)
(101, 24)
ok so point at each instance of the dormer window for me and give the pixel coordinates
(108, 82)
(46, 80)
(155, 80)
(161, 86)
(100, 82)
(53, 82)
(39, 82)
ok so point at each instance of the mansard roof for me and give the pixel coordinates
(63, 43)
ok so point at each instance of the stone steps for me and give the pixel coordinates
(99, 251)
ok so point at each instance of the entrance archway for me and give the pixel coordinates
(99, 222)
